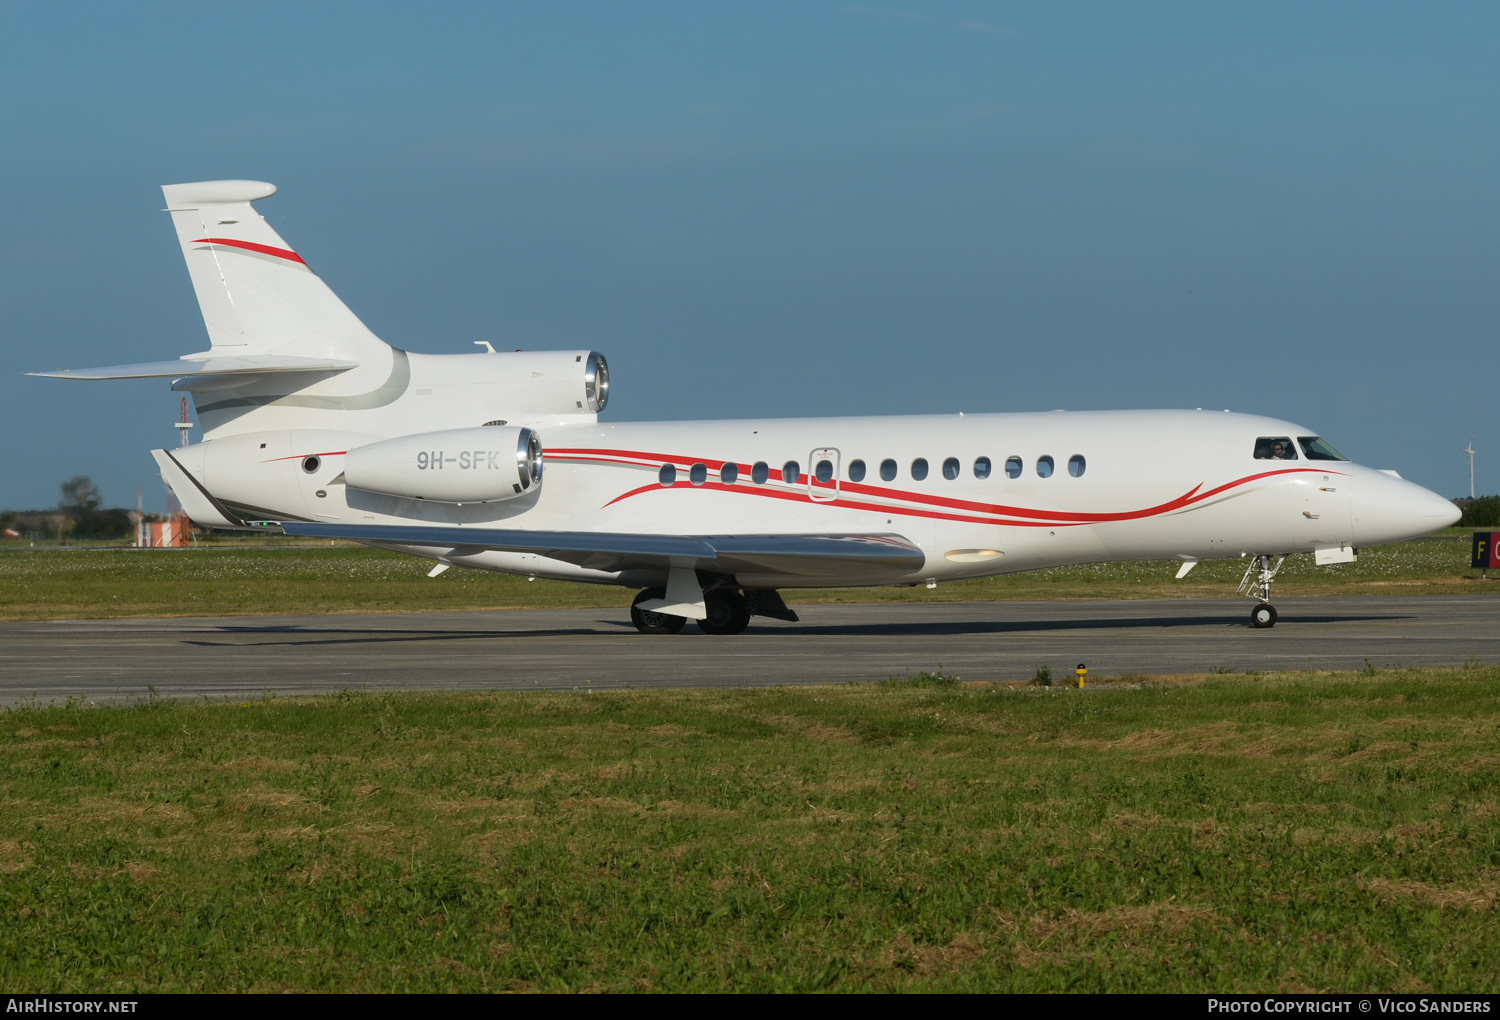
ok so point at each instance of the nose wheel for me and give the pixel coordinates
(1257, 584)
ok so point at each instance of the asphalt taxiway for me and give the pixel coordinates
(122, 660)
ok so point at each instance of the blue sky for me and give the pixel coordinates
(784, 209)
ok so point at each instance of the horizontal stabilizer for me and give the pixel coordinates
(246, 364)
(811, 556)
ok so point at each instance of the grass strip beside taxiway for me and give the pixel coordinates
(1291, 832)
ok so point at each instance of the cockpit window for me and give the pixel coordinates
(1275, 448)
(1316, 449)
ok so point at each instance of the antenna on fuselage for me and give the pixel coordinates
(1470, 451)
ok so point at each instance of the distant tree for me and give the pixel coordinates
(1483, 512)
(79, 493)
(79, 515)
(114, 523)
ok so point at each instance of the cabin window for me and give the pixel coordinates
(919, 468)
(1013, 467)
(698, 474)
(1044, 466)
(790, 472)
(982, 467)
(950, 468)
(729, 473)
(888, 470)
(1077, 465)
(760, 472)
(668, 474)
(1316, 449)
(1275, 448)
(856, 471)
(824, 471)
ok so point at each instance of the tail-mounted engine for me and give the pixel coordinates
(478, 465)
(521, 384)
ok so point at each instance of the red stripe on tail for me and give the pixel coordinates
(264, 249)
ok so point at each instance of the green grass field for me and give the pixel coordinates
(259, 576)
(1289, 832)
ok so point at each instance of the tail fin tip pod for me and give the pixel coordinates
(190, 196)
(257, 295)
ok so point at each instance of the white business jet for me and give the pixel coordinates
(314, 426)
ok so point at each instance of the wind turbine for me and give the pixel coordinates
(1470, 451)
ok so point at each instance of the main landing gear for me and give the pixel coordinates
(1257, 584)
(648, 622)
(727, 611)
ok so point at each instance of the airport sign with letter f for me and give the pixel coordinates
(1486, 555)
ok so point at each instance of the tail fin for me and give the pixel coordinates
(256, 293)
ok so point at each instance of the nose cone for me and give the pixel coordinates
(1390, 509)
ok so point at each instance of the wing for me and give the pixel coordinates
(833, 557)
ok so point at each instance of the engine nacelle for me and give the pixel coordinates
(519, 385)
(479, 465)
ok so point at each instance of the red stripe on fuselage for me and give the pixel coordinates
(1028, 517)
(304, 456)
(264, 249)
(801, 497)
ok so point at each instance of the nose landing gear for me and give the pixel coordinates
(1257, 584)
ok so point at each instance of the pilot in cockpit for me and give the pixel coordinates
(1275, 448)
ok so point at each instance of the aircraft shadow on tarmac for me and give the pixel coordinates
(354, 636)
(958, 627)
(937, 628)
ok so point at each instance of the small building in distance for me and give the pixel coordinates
(174, 532)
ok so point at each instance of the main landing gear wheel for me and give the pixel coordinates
(728, 613)
(648, 622)
(1263, 616)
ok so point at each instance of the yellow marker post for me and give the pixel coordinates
(1082, 672)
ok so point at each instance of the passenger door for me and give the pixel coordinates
(1326, 505)
(823, 475)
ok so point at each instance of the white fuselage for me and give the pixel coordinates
(1153, 485)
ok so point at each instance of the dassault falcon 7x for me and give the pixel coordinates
(314, 426)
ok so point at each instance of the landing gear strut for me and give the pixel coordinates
(1257, 584)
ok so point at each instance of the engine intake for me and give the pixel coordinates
(479, 465)
(596, 381)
